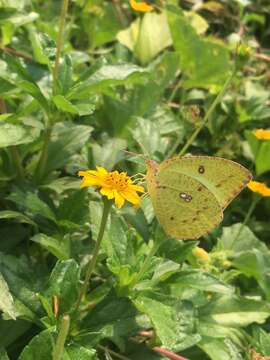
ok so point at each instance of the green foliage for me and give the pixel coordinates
(140, 83)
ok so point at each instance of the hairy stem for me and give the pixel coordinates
(92, 262)
(61, 339)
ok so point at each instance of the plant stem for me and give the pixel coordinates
(248, 215)
(44, 155)
(207, 115)
(59, 44)
(61, 339)
(92, 262)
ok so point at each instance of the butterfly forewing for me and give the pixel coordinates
(223, 178)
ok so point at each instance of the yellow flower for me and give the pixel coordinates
(259, 188)
(201, 254)
(114, 185)
(141, 6)
(262, 134)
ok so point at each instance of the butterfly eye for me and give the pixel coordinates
(201, 169)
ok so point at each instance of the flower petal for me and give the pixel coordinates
(119, 200)
(140, 6)
(107, 192)
(101, 170)
(137, 188)
(131, 196)
(262, 134)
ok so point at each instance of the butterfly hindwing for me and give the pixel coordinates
(189, 193)
(184, 207)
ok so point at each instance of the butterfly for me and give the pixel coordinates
(190, 193)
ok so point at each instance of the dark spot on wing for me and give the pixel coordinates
(200, 188)
(184, 196)
(201, 169)
(171, 218)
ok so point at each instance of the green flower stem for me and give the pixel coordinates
(62, 21)
(61, 339)
(207, 115)
(92, 263)
(41, 167)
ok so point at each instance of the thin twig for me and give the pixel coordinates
(115, 354)
(16, 53)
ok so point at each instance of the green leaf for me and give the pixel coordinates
(59, 248)
(65, 74)
(223, 349)
(174, 324)
(261, 152)
(40, 347)
(31, 202)
(67, 139)
(6, 300)
(106, 76)
(262, 339)
(64, 283)
(74, 208)
(239, 238)
(76, 351)
(9, 214)
(235, 311)
(196, 279)
(109, 153)
(64, 105)
(113, 318)
(203, 61)
(24, 280)
(3, 354)
(147, 37)
(11, 135)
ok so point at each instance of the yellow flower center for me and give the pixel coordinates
(117, 181)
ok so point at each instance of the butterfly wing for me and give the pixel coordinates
(185, 208)
(223, 178)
